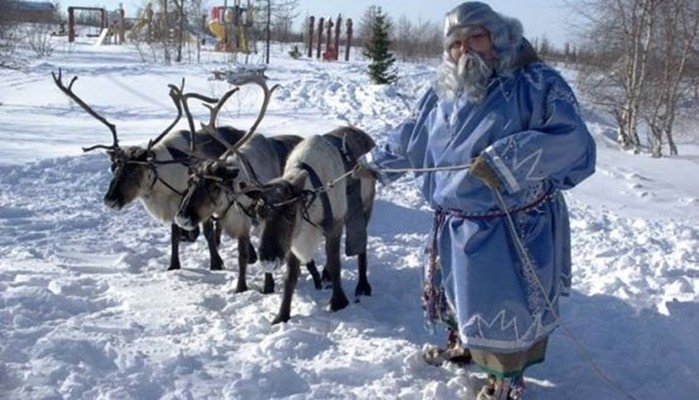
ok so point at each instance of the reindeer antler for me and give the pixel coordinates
(180, 100)
(68, 91)
(175, 96)
(210, 128)
(260, 81)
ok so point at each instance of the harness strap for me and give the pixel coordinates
(157, 178)
(355, 223)
(167, 185)
(325, 200)
(348, 159)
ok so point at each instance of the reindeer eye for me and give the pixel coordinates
(289, 214)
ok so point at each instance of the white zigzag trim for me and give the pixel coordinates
(518, 164)
(518, 343)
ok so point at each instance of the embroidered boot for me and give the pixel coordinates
(455, 351)
(502, 389)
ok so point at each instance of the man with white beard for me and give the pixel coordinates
(493, 143)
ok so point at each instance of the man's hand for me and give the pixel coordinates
(481, 170)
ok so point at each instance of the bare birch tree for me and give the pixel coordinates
(640, 58)
(7, 36)
(676, 36)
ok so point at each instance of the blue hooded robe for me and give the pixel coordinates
(529, 129)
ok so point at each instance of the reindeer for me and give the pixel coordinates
(157, 174)
(214, 189)
(297, 211)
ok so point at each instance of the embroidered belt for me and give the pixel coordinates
(498, 213)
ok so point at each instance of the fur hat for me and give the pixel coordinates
(505, 32)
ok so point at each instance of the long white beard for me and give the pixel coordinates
(469, 74)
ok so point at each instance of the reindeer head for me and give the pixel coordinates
(133, 168)
(280, 206)
(211, 190)
(131, 173)
(212, 186)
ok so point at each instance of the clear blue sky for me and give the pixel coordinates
(549, 18)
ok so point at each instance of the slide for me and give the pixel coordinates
(216, 28)
(102, 37)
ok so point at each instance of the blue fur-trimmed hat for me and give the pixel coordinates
(506, 34)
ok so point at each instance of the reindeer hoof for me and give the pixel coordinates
(241, 289)
(362, 289)
(218, 267)
(338, 303)
(280, 318)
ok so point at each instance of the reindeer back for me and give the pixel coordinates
(356, 141)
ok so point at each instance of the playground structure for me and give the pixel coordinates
(116, 30)
(332, 45)
(160, 26)
(232, 26)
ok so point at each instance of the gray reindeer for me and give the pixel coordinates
(157, 174)
(214, 188)
(314, 199)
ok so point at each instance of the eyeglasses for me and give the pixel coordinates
(472, 39)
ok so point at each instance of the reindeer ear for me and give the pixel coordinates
(254, 193)
(229, 172)
(140, 154)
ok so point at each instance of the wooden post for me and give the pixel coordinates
(71, 25)
(338, 25)
(121, 25)
(328, 39)
(320, 35)
(349, 39)
(311, 22)
(104, 23)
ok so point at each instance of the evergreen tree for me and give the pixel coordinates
(381, 69)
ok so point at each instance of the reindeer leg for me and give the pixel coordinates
(252, 259)
(363, 287)
(313, 270)
(175, 247)
(338, 301)
(218, 228)
(243, 249)
(326, 279)
(269, 284)
(292, 275)
(210, 233)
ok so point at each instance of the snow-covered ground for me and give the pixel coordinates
(87, 310)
